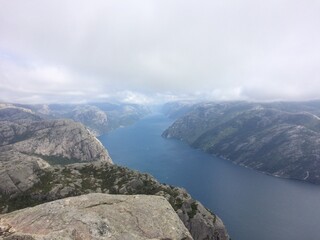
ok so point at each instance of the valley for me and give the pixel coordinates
(43, 160)
(251, 204)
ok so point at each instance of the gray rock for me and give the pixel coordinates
(26, 147)
(62, 139)
(57, 182)
(19, 172)
(9, 112)
(201, 223)
(92, 117)
(96, 216)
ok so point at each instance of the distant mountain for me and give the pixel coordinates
(177, 109)
(12, 113)
(99, 118)
(282, 139)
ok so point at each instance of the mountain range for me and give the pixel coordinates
(99, 118)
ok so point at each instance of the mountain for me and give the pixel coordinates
(177, 109)
(99, 118)
(44, 160)
(29, 144)
(281, 139)
(26, 133)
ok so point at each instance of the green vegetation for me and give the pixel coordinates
(45, 183)
(22, 137)
(66, 171)
(89, 177)
(214, 216)
(23, 201)
(57, 160)
(220, 136)
(178, 204)
(194, 209)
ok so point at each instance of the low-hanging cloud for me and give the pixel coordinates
(74, 50)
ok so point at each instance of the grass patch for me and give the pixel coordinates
(57, 160)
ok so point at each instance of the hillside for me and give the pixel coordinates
(264, 137)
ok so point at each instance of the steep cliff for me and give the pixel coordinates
(62, 139)
(29, 144)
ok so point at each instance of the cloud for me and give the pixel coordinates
(73, 50)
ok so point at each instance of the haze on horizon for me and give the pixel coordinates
(150, 51)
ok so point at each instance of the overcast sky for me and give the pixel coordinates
(78, 51)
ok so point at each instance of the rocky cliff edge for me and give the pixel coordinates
(96, 216)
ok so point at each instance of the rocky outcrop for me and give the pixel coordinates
(19, 172)
(201, 222)
(92, 117)
(264, 137)
(96, 216)
(13, 114)
(64, 139)
(27, 147)
(58, 138)
(76, 179)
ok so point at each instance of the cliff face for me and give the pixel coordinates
(96, 216)
(23, 131)
(12, 114)
(260, 136)
(29, 144)
(52, 138)
(95, 119)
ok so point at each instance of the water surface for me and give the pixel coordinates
(253, 206)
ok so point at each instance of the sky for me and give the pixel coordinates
(147, 51)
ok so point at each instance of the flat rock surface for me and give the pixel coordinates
(96, 216)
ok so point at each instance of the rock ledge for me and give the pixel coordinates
(96, 216)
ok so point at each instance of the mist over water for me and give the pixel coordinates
(253, 206)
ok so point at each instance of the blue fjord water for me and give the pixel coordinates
(253, 206)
